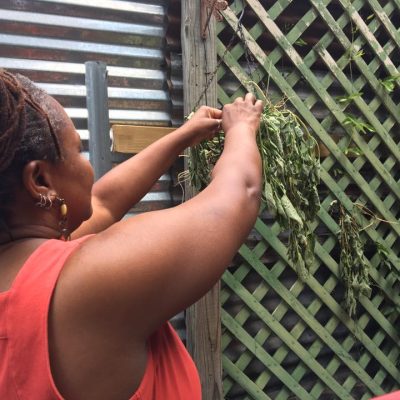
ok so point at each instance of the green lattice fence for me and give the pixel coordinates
(333, 60)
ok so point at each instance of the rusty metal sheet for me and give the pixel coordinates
(50, 40)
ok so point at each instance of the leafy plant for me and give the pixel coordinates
(337, 172)
(300, 42)
(291, 173)
(353, 151)
(353, 264)
(346, 100)
(357, 124)
(389, 82)
(383, 253)
(357, 54)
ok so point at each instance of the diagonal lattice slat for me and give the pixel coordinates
(283, 338)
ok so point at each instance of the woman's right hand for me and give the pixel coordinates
(243, 111)
(203, 125)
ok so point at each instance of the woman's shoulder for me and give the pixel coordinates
(38, 261)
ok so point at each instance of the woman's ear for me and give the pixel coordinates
(36, 178)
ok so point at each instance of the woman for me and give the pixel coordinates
(86, 318)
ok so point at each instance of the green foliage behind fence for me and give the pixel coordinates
(336, 64)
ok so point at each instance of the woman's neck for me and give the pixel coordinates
(19, 232)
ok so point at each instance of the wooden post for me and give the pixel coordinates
(203, 319)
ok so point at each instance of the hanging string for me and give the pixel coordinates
(250, 60)
(210, 11)
(248, 56)
(212, 75)
(208, 78)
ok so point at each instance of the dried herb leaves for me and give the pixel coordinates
(291, 173)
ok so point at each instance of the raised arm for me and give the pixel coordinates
(117, 191)
(141, 271)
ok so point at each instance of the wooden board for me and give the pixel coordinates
(132, 139)
(203, 319)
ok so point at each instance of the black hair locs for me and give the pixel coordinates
(27, 131)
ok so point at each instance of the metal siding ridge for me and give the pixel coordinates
(113, 92)
(80, 23)
(75, 68)
(136, 83)
(83, 134)
(115, 5)
(156, 196)
(123, 115)
(88, 47)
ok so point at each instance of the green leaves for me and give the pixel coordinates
(354, 268)
(389, 83)
(290, 210)
(358, 124)
(300, 42)
(357, 54)
(202, 159)
(291, 173)
(353, 151)
(346, 100)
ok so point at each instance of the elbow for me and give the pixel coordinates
(237, 192)
(252, 199)
(252, 190)
(240, 211)
(243, 200)
(242, 193)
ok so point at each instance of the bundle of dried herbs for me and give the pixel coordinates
(353, 264)
(291, 173)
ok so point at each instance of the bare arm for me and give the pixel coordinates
(117, 191)
(140, 272)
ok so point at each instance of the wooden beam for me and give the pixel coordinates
(132, 138)
(203, 319)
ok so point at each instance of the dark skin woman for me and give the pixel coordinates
(122, 283)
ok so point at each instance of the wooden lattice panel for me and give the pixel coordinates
(283, 338)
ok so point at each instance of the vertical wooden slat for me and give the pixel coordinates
(203, 318)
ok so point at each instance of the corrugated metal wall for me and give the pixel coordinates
(50, 40)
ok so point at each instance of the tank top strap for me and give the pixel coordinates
(28, 306)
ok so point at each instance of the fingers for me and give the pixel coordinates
(259, 104)
(215, 113)
(250, 98)
(210, 112)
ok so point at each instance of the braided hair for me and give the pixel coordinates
(28, 126)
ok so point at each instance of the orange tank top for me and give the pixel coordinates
(24, 359)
